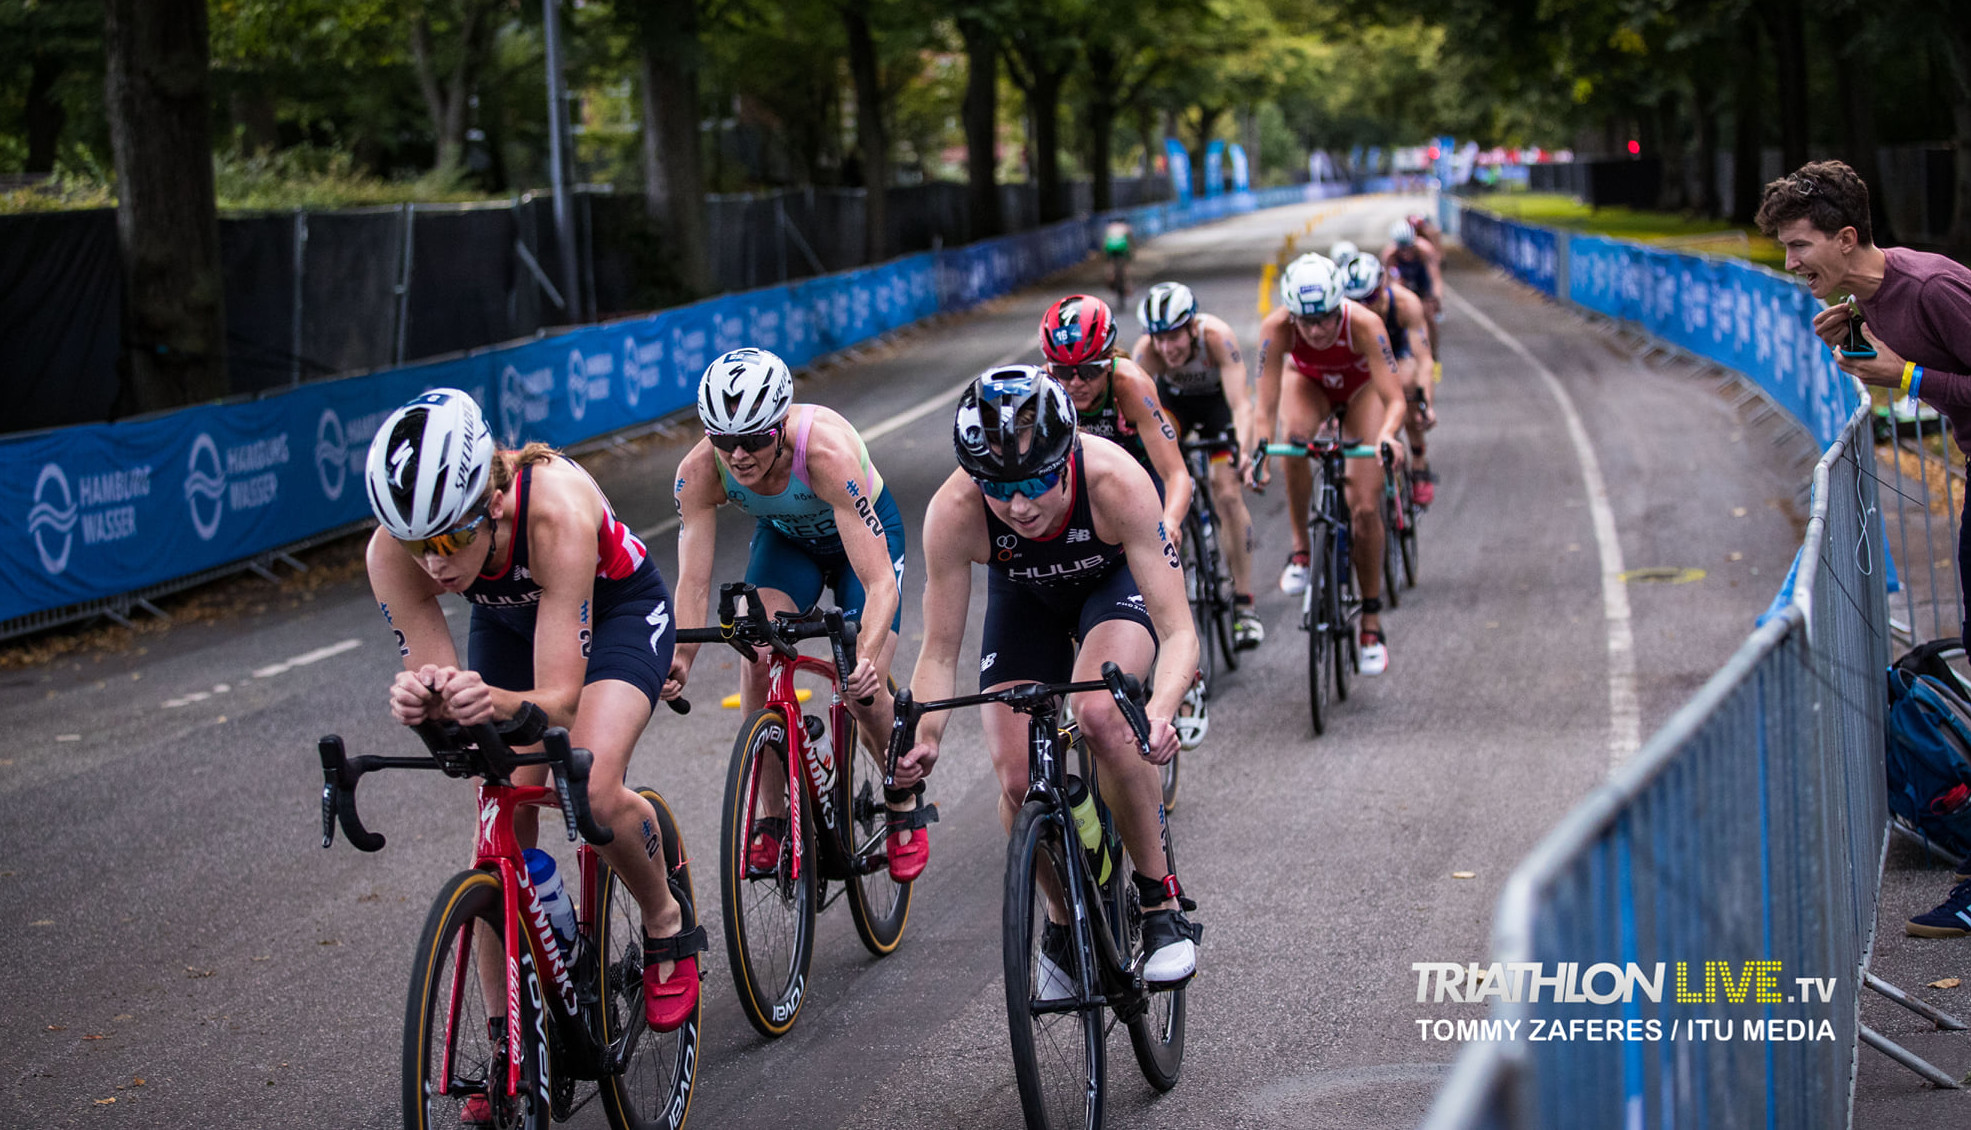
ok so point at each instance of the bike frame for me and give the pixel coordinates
(819, 768)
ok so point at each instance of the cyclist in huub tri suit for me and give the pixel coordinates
(568, 612)
(824, 518)
(1417, 263)
(1201, 379)
(1341, 359)
(1114, 398)
(1402, 313)
(1075, 554)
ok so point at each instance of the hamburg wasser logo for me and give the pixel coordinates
(642, 368)
(523, 400)
(243, 479)
(52, 520)
(588, 379)
(331, 454)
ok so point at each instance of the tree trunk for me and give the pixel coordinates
(673, 162)
(1101, 111)
(1856, 88)
(981, 114)
(871, 138)
(1666, 123)
(159, 109)
(446, 101)
(1787, 25)
(1704, 104)
(1207, 122)
(44, 114)
(1747, 127)
(1957, 50)
(1044, 101)
(254, 115)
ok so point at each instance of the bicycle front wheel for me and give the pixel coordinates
(456, 1052)
(1316, 615)
(1197, 582)
(653, 1092)
(1058, 1045)
(1409, 538)
(769, 881)
(1392, 550)
(1340, 588)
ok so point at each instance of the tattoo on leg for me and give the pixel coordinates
(653, 844)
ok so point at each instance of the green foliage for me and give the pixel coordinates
(1554, 210)
(303, 176)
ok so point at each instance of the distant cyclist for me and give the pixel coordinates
(1340, 359)
(1402, 313)
(1119, 245)
(824, 518)
(568, 612)
(1201, 379)
(1418, 264)
(1078, 571)
(1114, 398)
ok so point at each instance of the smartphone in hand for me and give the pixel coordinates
(1856, 348)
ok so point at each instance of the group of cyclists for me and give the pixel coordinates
(1071, 489)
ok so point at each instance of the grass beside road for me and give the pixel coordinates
(1668, 229)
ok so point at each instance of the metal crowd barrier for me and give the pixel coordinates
(1751, 827)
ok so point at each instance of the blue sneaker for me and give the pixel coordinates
(1951, 920)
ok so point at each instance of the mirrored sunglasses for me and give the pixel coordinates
(1088, 371)
(1032, 487)
(749, 441)
(449, 542)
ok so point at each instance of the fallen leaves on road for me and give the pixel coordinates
(57, 1027)
(1946, 983)
(195, 972)
(1464, 874)
(106, 1102)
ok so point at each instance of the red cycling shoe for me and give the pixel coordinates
(907, 860)
(476, 1111)
(668, 1004)
(763, 855)
(1423, 487)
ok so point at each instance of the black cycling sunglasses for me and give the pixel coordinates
(746, 441)
(1087, 371)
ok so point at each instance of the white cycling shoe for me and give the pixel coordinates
(1293, 578)
(1054, 982)
(1375, 652)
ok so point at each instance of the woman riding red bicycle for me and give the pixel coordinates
(568, 612)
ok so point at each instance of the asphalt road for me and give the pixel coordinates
(173, 938)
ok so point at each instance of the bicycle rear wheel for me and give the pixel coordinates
(1315, 617)
(768, 910)
(1197, 586)
(1059, 1049)
(452, 1056)
(879, 904)
(1157, 1034)
(1409, 538)
(653, 1092)
(1219, 585)
(1340, 593)
(1392, 549)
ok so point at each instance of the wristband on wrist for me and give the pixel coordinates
(1916, 382)
(1909, 370)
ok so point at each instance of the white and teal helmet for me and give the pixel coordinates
(1342, 250)
(429, 465)
(1310, 286)
(744, 392)
(1361, 276)
(1167, 306)
(1402, 234)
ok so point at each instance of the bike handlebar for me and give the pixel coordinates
(780, 633)
(1026, 698)
(484, 750)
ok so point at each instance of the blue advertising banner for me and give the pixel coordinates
(1738, 314)
(1531, 254)
(1241, 170)
(1215, 168)
(106, 509)
(1179, 160)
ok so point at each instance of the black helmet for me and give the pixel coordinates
(1013, 423)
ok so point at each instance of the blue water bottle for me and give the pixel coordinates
(554, 897)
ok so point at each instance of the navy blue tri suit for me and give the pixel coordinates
(631, 634)
(1044, 595)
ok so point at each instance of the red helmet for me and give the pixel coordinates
(1076, 329)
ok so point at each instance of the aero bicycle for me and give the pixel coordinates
(503, 1018)
(782, 844)
(1056, 1011)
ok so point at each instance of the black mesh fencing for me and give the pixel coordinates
(318, 294)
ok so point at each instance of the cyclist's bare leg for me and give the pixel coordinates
(608, 723)
(1132, 787)
(1365, 415)
(1303, 406)
(1410, 371)
(1236, 522)
(1006, 744)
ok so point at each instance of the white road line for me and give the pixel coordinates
(877, 431)
(1624, 710)
(304, 659)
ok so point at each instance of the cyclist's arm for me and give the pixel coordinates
(1433, 263)
(562, 521)
(837, 478)
(1416, 325)
(1144, 353)
(698, 493)
(954, 538)
(1370, 338)
(1275, 341)
(1231, 366)
(408, 599)
(1126, 513)
(1136, 394)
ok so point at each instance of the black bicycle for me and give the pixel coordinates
(1330, 607)
(1055, 1003)
(801, 810)
(568, 1009)
(1208, 580)
(1399, 529)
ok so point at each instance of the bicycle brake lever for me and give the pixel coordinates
(903, 735)
(678, 705)
(339, 779)
(1124, 689)
(842, 634)
(571, 784)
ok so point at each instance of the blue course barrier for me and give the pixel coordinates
(1530, 253)
(114, 509)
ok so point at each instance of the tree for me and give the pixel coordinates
(872, 138)
(1039, 53)
(49, 45)
(159, 99)
(978, 25)
(449, 40)
(673, 167)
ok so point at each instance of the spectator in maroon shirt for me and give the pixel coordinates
(1917, 315)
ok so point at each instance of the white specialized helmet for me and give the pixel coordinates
(1361, 276)
(744, 391)
(429, 465)
(1402, 234)
(1342, 250)
(1310, 286)
(1167, 306)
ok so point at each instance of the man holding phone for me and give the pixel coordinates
(1915, 337)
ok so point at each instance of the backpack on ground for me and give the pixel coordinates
(1928, 734)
